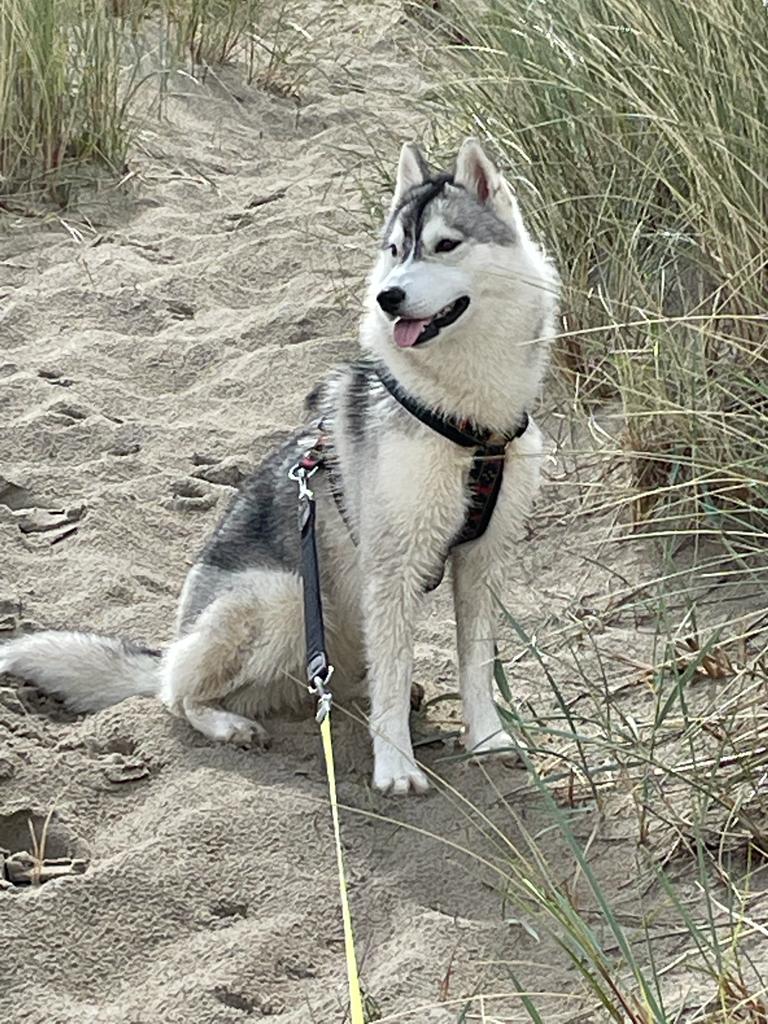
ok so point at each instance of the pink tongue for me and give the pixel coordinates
(408, 332)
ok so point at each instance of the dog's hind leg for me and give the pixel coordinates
(243, 650)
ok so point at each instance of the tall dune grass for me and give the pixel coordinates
(210, 31)
(63, 95)
(638, 133)
(637, 137)
(70, 71)
(265, 33)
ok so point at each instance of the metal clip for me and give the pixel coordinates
(324, 696)
(300, 475)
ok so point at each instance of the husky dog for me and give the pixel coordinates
(460, 308)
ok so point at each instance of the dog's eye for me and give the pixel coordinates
(393, 250)
(447, 244)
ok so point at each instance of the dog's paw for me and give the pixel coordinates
(499, 744)
(241, 732)
(223, 726)
(397, 774)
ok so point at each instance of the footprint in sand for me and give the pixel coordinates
(37, 847)
(67, 413)
(32, 518)
(55, 377)
(229, 472)
(192, 496)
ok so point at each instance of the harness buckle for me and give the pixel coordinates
(319, 689)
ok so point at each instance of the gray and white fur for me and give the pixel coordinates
(455, 252)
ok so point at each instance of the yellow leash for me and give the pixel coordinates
(319, 672)
(355, 997)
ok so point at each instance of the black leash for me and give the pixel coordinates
(319, 668)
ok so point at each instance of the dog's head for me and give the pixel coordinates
(451, 243)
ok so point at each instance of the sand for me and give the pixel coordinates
(154, 341)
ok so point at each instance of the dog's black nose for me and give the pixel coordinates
(390, 299)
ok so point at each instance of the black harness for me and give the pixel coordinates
(487, 469)
(486, 474)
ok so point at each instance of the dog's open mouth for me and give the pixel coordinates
(409, 333)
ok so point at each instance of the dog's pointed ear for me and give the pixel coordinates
(412, 170)
(479, 175)
(476, 172)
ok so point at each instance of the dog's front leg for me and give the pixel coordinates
(473, 588)
(390, 607)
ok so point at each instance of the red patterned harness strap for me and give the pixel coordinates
(484, 483)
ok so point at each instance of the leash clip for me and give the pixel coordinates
(319, 689)
(300, 474)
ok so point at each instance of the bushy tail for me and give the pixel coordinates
(86, 671)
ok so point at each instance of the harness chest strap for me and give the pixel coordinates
(486, 471)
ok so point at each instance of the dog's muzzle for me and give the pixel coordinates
(410, 333)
